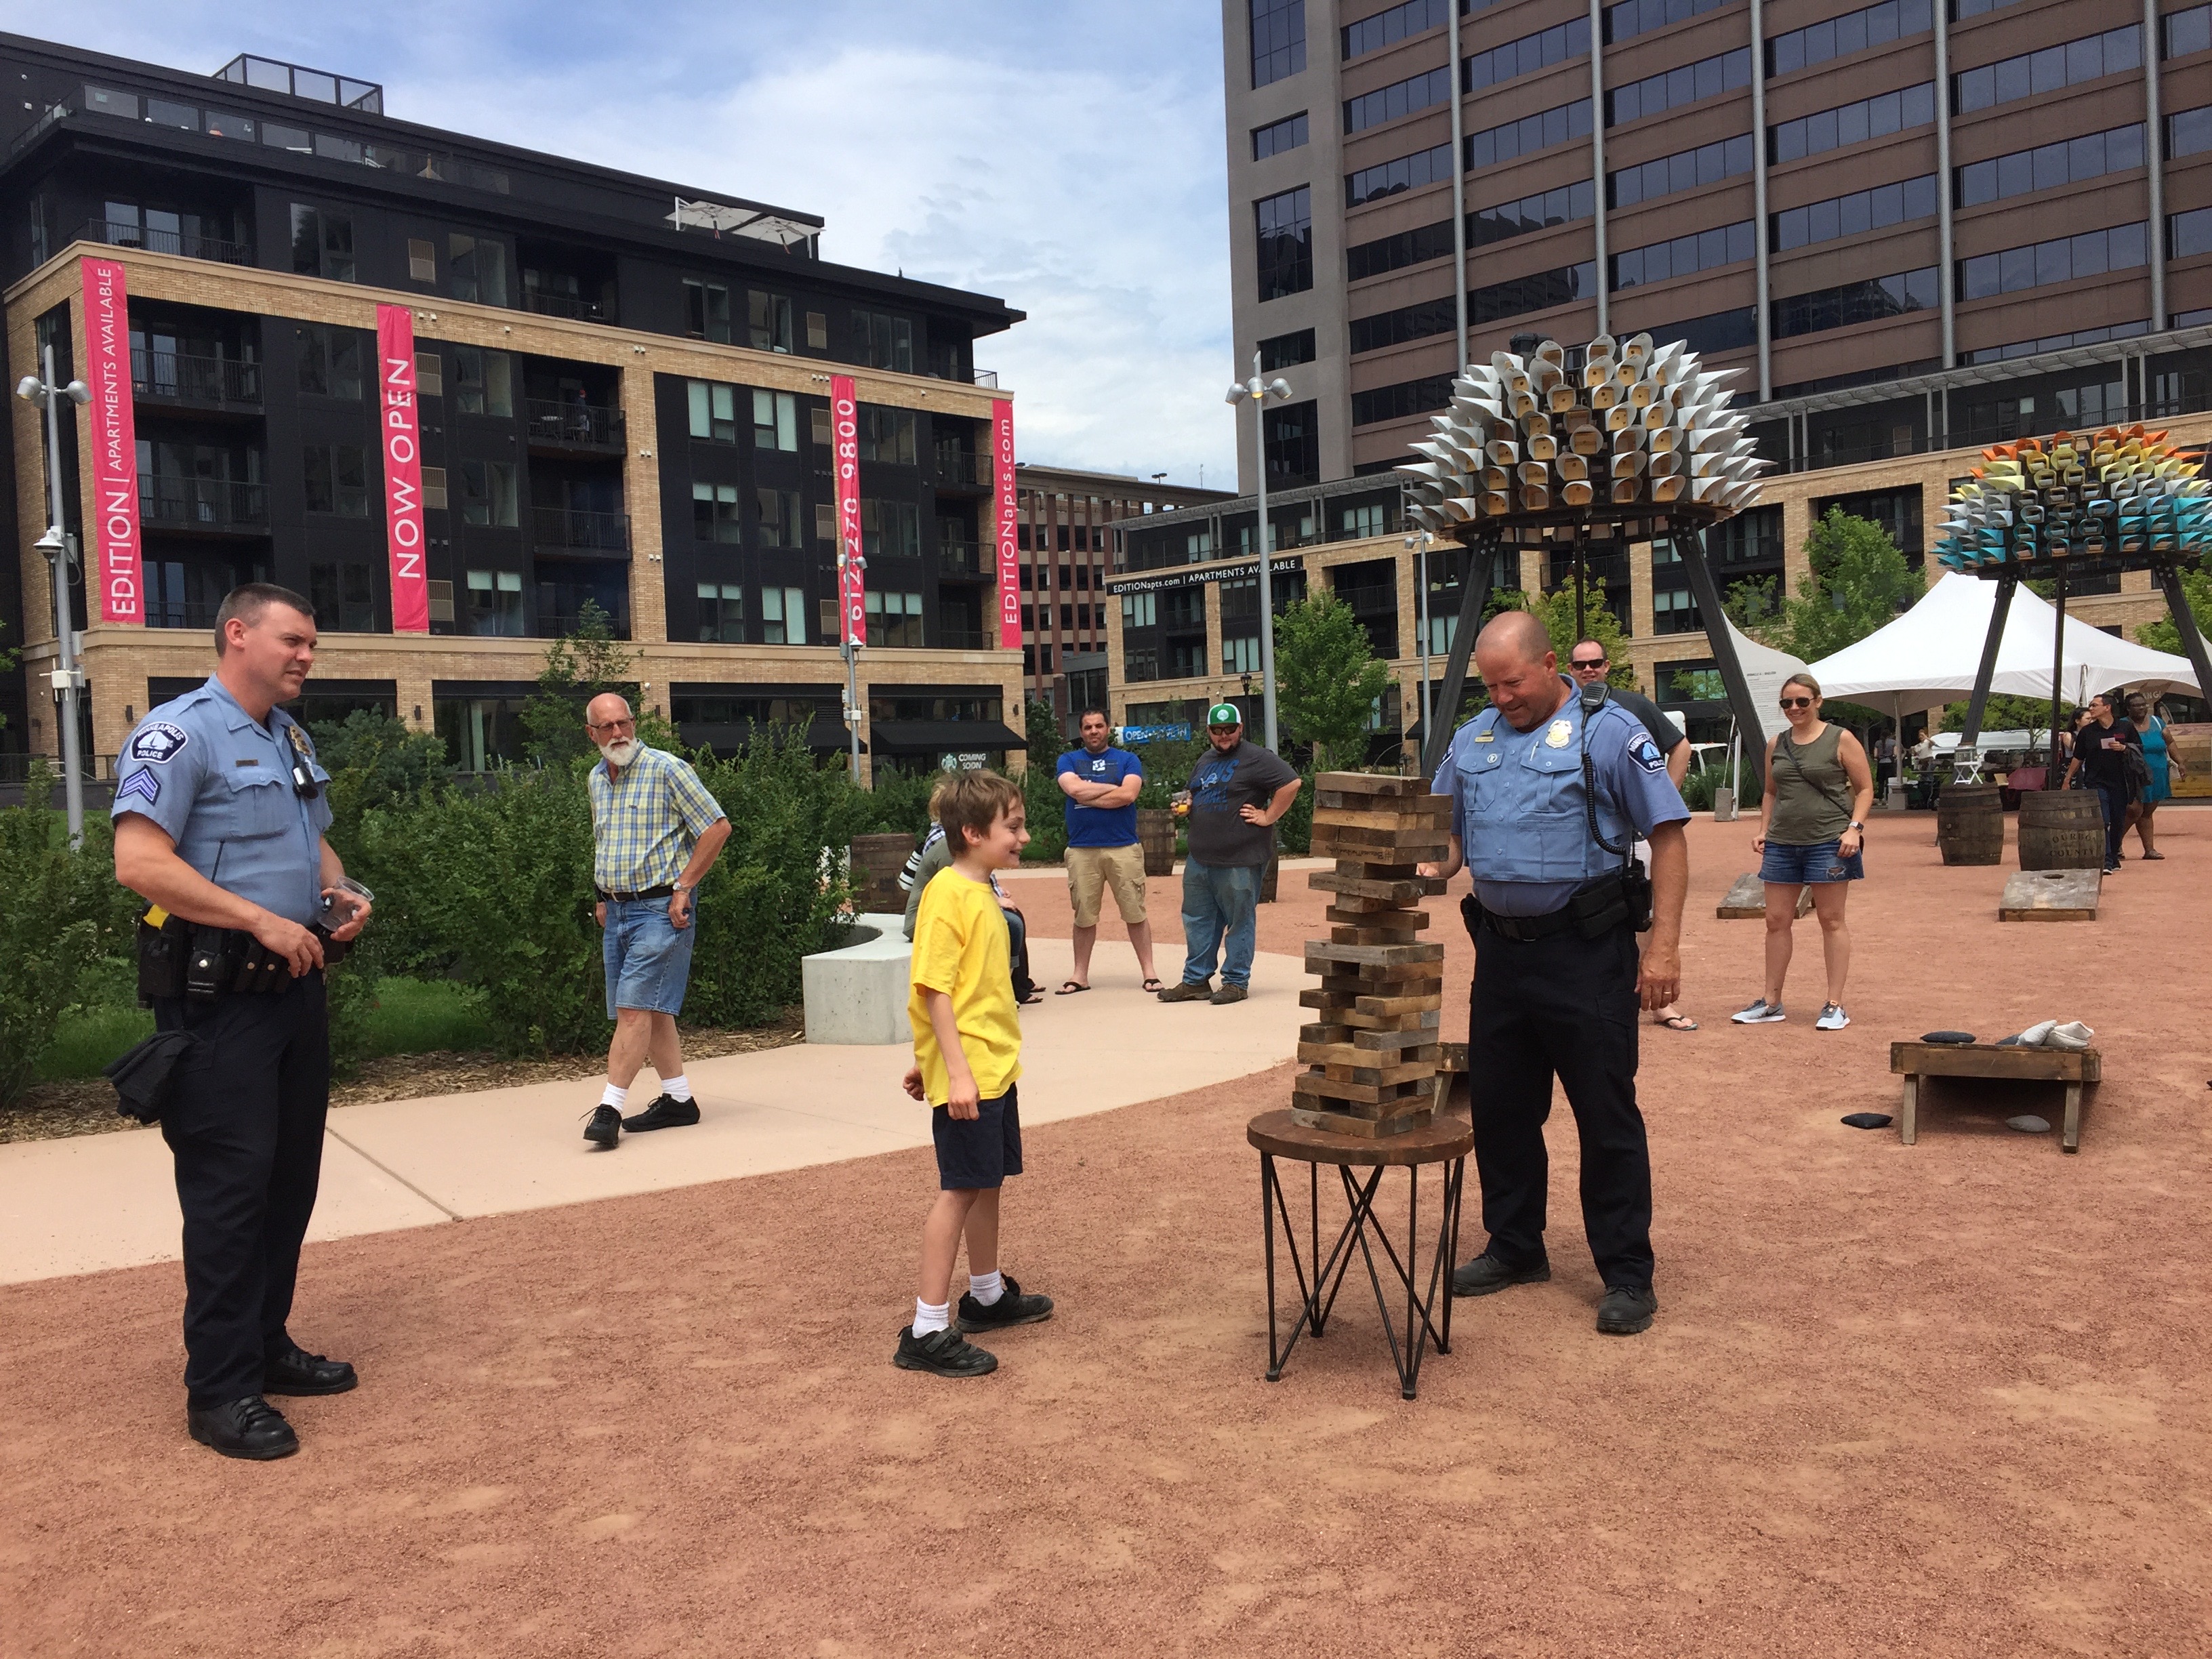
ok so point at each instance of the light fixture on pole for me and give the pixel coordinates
(1418, 544)
(1259, 391)
(848, 647)
(66, 678)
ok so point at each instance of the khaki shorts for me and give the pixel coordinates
(1091, 870)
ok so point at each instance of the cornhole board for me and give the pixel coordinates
(2075, 1070)
(2051, 895)
(1747, 898)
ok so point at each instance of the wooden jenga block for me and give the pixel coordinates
(1346, 1053)
(1380, 916)
(1343, 1123)
(1413, 951)
(1368, 784)
(1391, 822)
(1369, 1094)
(1408, 889)
(1429, 1003)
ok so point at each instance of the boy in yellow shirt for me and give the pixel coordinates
(968, 1051)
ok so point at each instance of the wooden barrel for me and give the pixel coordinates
(1155, 834)
(2060, 829)
(1970, 824)
(876, 862)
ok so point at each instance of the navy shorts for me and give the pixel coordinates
(1797, 866)
(980, 1152)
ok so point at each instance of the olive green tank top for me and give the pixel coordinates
(1812, 791)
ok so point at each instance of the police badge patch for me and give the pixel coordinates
(1644, 752)
(1561, 734)
(157, 741)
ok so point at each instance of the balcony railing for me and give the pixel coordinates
(964, 556)
(962, 639)
(194, 380)
(187, 243)
(566, 305)
(962, 468)
(574, 425)
(182, 613)
(563, 526)
(202, 503)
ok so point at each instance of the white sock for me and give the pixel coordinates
(986, 1288)
(615, 1097)
(677, 1087)
(930, 1316)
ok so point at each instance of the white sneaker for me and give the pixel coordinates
(1759, 1013)
(1832, 1017)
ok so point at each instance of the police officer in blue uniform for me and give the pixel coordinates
(220, 813)
(1550, 788)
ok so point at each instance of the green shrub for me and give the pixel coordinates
(1294, 829)
(1698, 786)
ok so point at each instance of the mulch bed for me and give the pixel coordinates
(87, 1107)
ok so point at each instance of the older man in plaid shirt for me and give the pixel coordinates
(655, 833)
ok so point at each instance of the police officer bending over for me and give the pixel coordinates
(1557, 903)
(219, 814)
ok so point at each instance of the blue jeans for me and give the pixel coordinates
(647, 959)
(1220, 902)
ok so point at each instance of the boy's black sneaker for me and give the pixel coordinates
(605, 1128)
(942, 1354)
(666, 1113)
(1012, 1308)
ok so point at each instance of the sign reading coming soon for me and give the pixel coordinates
(853, 578)
(400, 428)
(114, 443)
(1002, 471)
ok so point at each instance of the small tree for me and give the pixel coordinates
(1556, 610)
(2165, 633)
(1859, 583)
(1326, 676)
(578, 668)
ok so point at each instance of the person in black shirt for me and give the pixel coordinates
(2101, 755)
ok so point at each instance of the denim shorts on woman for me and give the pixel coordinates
(648, 960)
(1796, 867)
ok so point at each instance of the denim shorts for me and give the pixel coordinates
(649, 962)
(1796, 867)
(981, 1152)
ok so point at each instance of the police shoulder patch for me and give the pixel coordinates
(142, 784)
(1644, 752)
(158, 741)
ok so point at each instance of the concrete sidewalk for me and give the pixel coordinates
(98, 1201)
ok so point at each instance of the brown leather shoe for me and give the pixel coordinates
(1228, 992)
(1191, 990)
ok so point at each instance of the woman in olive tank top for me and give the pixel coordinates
(1811, 826)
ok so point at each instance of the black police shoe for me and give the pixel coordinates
(250, 1428)
(1625, 1311)
(1486, 1275)
(942, 1354)
(605, 1128)
(1012, 1308)
(666, 1113)
(301, 1372)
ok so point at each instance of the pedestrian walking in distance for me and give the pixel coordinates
(656, 832)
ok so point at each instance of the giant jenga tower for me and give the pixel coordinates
(1373, 1050)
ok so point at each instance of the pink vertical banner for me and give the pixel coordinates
(114, 443)
(852, 574)
(1002, 478)
(401, 421)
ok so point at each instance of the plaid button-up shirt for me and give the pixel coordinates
(645, 824)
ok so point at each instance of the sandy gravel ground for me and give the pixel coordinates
(1949, 1400)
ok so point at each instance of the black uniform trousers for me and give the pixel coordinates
(1561, 1005)
(245, 1122)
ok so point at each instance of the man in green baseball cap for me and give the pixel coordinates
(1236, 794)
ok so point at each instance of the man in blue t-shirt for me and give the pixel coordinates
(1101, 784)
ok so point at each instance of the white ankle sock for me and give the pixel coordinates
(615, 1097)
(986, 1288)
(930, 1316)
(677, 1087)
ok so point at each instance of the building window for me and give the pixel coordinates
(775, 420)
(1517, 58)
(1426, 167)
(1386, 28)
(488, 494)
(1284, 224)
(894, 618)
(1418, 321)
(1408, 247)
(336, 478)
(714, 515)
(421, 261)
(2066, 162)
(1859, 212)
(2034, 73)
(818, 331)
(484, 382)
(1395, 101)
(1686, 83)
(886, 434)
(1634, 17)
(322, 243)
(1142, 609)
(1562, 206)
(434, 488)
(343, 593)
(1717, 331)
(1858, 302)
(1396, 403)
(1540, 290)
(721, 613)
(783, 616)
(1140, 663)
(706, 311)
(1355, 523)
(891, 529)
(1851, 123)
(885, 342)
(767, 322)
(429, 375)
(1287, 351)
(780, 523)
(1279, 39)
(714, 409)
(476, 269)
(1683, 256)
(1675, 610)
(331, 361)
(2062, 259)
(1289, 133)
(1240, 656)
(1529, 134)
(1708, 164)
(1855, 31)
(496, 603)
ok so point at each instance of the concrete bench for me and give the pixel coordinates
(857, 994)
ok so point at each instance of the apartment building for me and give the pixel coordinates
(610, 390)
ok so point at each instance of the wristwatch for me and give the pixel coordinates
(1856, 824)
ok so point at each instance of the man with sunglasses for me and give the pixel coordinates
(219, 814)
(1238, 791)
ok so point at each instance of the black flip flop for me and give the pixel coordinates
(1070, 989)
(1154, 987)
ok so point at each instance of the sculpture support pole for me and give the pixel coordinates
(1988, 670)
(2057, 668)
(1708, 592)
(1581, 617)
(2192, 641)
(1473, 597)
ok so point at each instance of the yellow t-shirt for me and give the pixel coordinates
(960, 947)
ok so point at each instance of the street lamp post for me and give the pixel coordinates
(849, 558)
(66, 678)
(1418, 543)
(1259, 391)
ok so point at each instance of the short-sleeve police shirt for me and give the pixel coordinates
(219, 784)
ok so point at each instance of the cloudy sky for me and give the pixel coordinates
(1065, 154)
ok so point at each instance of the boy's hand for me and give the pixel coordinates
(965, 1103)
(911, 1082)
